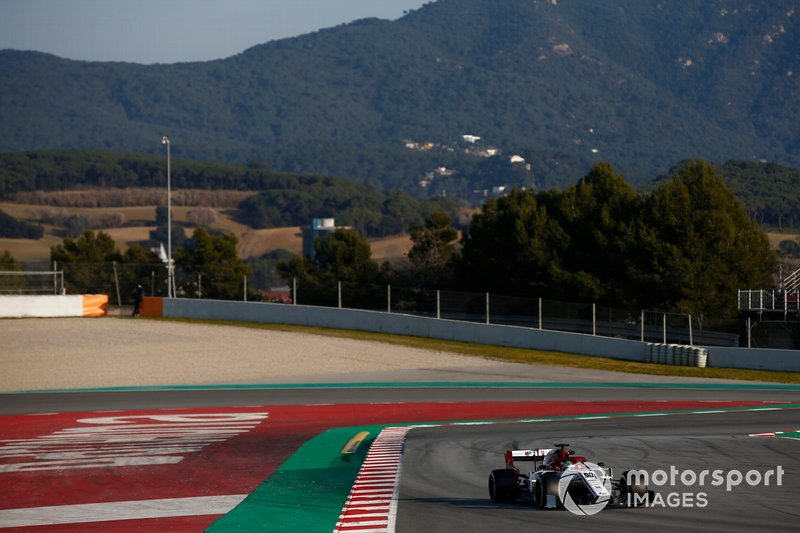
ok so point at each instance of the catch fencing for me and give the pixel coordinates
(119, 282)
(538, 313)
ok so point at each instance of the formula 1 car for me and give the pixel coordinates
(583, 484)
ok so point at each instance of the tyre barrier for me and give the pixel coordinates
(676, 354)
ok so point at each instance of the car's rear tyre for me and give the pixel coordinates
(633, 488)
(547, 484)
(503, 486)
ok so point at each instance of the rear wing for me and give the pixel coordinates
(525, 455)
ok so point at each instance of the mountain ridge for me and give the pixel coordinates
(564, 84)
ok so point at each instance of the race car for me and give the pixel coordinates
(582, 483)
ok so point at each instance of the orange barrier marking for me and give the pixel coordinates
(152, 306)
(95, 305)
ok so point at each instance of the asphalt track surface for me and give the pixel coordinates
(445, 471)
(443, 482)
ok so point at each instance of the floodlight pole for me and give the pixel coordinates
(170, 276)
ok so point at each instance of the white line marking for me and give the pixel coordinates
(375, 487)
(362, 530)
(132, 510)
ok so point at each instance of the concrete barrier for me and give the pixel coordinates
(754, 358)
(49, 306)
(472, 332)
(409, 325)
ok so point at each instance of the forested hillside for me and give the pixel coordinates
(278, 199)
(561, 84)
(769, 192)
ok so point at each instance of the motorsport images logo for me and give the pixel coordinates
(591, 483)
(697, 482)
(591, 477)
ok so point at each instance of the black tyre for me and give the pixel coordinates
(547, 484)
(503, 486)
(539, 496)
(632, 488)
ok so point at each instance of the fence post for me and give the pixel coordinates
(438, 307)
(294, 291)
(152, 283)
(339, 290)
(116, 283)
(594, 318)
(665, 328)
(487, 307)
(200, 285)
(245, 287)
(55, 277)
(691, 343)
(540, 313)
(388, 298)
(641, 326)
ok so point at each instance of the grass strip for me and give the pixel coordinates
(307, 492)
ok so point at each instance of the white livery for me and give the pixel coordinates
(560, 478)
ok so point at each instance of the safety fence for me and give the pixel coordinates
(120, 281)
(540, 313)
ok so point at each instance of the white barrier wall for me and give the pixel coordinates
(49, 306)
(499, 335)
(754, 358)
(409, 325)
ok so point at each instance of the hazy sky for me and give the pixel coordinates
(169, 31)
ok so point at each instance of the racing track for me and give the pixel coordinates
(445, 469)
(443, 482)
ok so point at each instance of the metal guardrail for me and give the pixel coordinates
(119, 281)
(759, 300)
(30, 281)
(792, 282)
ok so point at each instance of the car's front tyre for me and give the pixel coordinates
(545, 485)
(633, 488)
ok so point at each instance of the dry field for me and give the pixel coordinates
(257, 242)
(252, 242)
(391, 248)
(775, 238)
(28, 250)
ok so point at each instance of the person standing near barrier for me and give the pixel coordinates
(137, 300)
